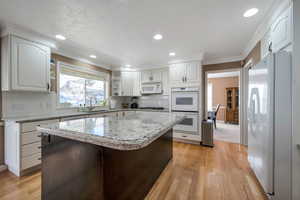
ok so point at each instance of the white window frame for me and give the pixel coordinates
(82, 69)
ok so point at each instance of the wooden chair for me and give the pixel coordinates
(213, 115)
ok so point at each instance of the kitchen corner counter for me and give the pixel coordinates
(129, 132)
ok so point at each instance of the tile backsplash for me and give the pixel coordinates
(30, 104)
(33, 104)
(143, 101)
(154, 101)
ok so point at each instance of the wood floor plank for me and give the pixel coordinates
(195, 173)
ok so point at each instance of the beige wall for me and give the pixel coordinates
(219, 92)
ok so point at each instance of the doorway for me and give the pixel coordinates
(223, 104)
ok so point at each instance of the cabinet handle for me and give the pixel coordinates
(182, 79)
(48, 86)
(185, 78)
(270, 47)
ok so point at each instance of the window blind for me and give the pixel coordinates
(82, 74)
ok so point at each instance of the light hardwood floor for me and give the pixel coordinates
(194, 173)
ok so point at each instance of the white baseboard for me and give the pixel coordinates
(3, 168)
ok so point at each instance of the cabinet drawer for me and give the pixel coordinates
(30, 137)
(31, 149)
(186, 136)
(31, 126)
(31, 161)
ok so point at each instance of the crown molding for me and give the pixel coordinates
(56, 47)
(223, 60)
(11, 29)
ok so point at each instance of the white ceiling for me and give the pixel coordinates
(120, 31)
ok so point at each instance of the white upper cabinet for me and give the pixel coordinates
(266, 44)
(165, 82)
(151, 76)
(126, 84)
(177, 74)
(185, 74)
(281, 31)
(136, 76)
(192, 72)
(130, 84)
(25, 65)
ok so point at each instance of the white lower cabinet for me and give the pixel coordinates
(23, 145)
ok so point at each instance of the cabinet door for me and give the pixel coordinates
(30, 66)
(146, 76)
(136, 83)
(281, 31)
(156, 76)
(126, 82)
(192, 72)
(177, 73)
(265, 44)
(165, 82)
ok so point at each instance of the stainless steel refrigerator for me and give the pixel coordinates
(270, 124)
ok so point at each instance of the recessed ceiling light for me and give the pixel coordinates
(251, 12)
(60, 37)
(172, 54)
(93, 56)
(158, 37)
(127, 65)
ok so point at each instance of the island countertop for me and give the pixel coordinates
(129, 132)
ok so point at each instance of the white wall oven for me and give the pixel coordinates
(189, 124)
(185, 99)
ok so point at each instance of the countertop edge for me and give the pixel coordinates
(106, 142)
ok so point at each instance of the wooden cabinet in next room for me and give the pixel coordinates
(232, 105)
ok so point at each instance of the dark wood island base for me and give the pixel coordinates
(73, 170)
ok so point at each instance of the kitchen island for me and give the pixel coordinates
(111, 158)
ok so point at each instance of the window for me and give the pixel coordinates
(209, 97)
(79, 88)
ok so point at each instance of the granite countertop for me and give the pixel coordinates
(130, 132)
(75, 114)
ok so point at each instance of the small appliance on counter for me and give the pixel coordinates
(125, 105)
(134, 103)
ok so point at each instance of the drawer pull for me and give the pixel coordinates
(39, 147)
(184, 136)
(39, 158)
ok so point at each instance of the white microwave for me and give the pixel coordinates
(185, 99)
(151, 88)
